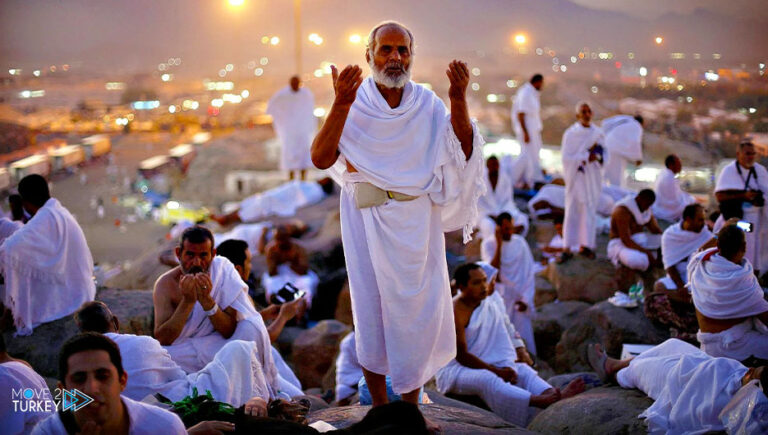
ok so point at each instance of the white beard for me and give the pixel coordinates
(388, 81)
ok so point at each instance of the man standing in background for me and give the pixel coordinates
(526, 123)
(291, 110)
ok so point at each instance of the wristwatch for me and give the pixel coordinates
(213, 310)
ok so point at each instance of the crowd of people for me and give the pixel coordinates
(410, 169)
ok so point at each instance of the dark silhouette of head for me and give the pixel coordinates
(537, 81)
(295, 83)
(95, 316)
(732, 243)
(236, 251)
(645, 199)
(34, 192)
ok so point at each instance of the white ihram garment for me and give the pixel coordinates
(677, 246)
(670, 198)
(282, 201)
(618, 253)
(233, 376)
(689, 387)
(307, 282)
(295, 124)
(48, 268)
(8, 227)
(623, 143)
(395, 252)
(489, 339)
(757, 240)
(199, 341)
(497, 201)
(554, 195)
(517, 282)
(582, 185)
(249, 233)
(527, 101)
(16, 376)
(722, 289)
(348, 369)
(143, 418)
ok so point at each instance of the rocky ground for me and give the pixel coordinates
(570, 299)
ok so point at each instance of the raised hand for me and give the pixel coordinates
(345, 84)
(188, 287)
(458, 75)
(203, 290)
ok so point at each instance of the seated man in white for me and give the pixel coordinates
(287, 262)
(730, 304)
(670, 303)
(498, 198)
(234, 375)
(670, 198)
(237, 252)
(47, 265)
(630, 245)
(690, 389)
(15, 376)
(283, 201)
(511, 255)
(486, 356)
(92, 364)
(550, 200)
(348, 370)
(202, 304)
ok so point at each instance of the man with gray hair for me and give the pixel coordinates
(409, 171)
(583, 169)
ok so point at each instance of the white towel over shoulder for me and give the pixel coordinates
(722, 289)
(678, 244)
(48, 268)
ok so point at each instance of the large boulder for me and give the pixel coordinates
(609, 410)
(550, 322)
(314, 351)
(545, 292)
(581, 279)
(606, 324)
(41, 349)
(452, 419)
(344, 306)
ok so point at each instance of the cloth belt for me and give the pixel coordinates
(367, 195)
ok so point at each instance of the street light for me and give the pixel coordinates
(520, 39)
(355, 38)
(659, 40)
(236, 3)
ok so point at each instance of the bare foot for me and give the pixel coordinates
(545, 399)
(573, 388)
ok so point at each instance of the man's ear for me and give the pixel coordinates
(367, 56)
(213, 252)
(123, 380)
(239, 270)
(117, 323)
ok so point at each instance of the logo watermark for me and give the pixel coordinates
(41, 400)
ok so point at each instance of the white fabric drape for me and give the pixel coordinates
(283, 200)
(295, 124)
(623, 143)
(48, 268)
(583, 180)
(395, 252)
(757, 240)
(670, 198)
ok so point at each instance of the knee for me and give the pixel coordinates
(659, 287)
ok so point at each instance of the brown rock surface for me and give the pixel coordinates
(314, 351)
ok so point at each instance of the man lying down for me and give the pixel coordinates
(690, 389)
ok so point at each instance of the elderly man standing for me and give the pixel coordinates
(741, 190)
(410, 171)
(670, 198)
(623, 143)
(292, 115)
(526, 123)
(582, 164)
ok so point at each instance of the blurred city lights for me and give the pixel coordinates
(265, 39)
(222, 73)
(659, 40)
(263, 61)
(217, 102)
(229, 67)
(475, 86)
(511, 84)
(236, 3)
(643, 71)
(475, 71)
(36, 73)
(172, 109)
(355, 38)
(319, 112)
(594, 89)
(520, 39)
(245, 93)
(258, 72)
(492, 98)
(274, 40)
(166, 77)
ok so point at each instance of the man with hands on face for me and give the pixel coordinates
(409, 171)
(203, 304)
